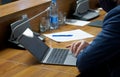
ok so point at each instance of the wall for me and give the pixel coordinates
(94, 4)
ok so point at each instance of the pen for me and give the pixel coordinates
(62, 35)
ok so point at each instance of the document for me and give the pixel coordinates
(76, 22)
(68, 35)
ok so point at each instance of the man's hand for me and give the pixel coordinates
(76, 47)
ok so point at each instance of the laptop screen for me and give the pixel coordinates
(34, 45)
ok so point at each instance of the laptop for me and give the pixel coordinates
(43, 53)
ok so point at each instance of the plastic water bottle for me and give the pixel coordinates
(54, 15)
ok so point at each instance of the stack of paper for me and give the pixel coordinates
(69, 35)
(77, 22)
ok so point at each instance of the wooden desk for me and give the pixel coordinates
(20, 63)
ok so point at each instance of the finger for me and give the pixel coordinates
(72, 47)
(75, 47)
(81, 47)
(68, 46)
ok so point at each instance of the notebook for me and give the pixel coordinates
(23, 34)
(43, 53)
(96, 23)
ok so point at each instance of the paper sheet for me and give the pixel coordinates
(76, 22)
(76, 35)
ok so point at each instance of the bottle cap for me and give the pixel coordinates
(54, 1)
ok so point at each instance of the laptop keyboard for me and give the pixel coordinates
(58, 56)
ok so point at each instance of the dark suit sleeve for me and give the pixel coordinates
(107, 5)
(105, 48)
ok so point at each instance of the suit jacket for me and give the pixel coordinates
(107, 5)
(103, 54)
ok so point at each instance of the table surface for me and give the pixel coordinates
(20, 63)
